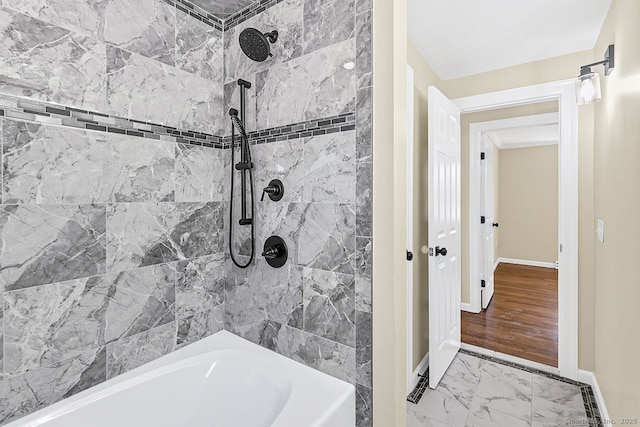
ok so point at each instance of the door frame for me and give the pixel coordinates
(563, 91)
(475, 169)
(411, 378)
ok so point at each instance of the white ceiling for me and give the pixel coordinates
(464, 37)
(526, 136)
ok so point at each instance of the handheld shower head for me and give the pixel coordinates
(237, 123)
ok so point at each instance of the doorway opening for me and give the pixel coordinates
(510, 232)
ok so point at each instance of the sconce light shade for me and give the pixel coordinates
(588, 88)
(588, 83)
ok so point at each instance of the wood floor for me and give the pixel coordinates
(522, 318)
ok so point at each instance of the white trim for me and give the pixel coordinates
(467, 307)
(527, 262)
(409, 227)
(517, 122)
(564, 92)
(495, 265)
(415, 375)
(589, 377)
(511, 359)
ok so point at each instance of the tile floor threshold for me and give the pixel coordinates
(481, 390)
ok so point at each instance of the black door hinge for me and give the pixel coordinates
(482, 156)
(482, 220)
(483, 283)
(409, 255)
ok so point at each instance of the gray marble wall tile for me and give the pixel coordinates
(81, 16)
(330, 168)
(284, 161)
(50, 164)
(364, 260)
(286, 18)
(138, 170)
(251, 326)
(364, 49)
(364, 191)
(50, 244)
(146, 27)
(129, 353)
(222, 8)
(285, 220)
(50, 323)
(1, 337)
(327, 238)
(324, 355)
(148, 90)
(329, 305)
(363, 348)
(321, 84)
(142, 234)
(139, 300)
(363, 5)
(364, 406)
(327, 22)
(200, 174)
(199, 297)
(199, 48)
(48, 63)
(41, 387)
(275, 294)
(364, 119)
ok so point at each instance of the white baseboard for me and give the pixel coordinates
(467, 307)
(422, 366)
(527, 262)
(496, 265)
(589, 377)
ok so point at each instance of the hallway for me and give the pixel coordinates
(522, 317)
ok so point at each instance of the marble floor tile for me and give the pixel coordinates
(440, 406)
(547, 413)
(483, 416)
(505, 389)
(479, 392)
(556, 391)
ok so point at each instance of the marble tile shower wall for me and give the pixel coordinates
(112, 245)
(317, 308)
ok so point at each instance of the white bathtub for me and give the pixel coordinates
(221, 381)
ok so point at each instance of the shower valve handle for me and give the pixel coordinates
(275, 190)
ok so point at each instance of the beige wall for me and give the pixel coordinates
(389, 126)
(465, 121)
(423, 78)
(529, 203)
(617, 202)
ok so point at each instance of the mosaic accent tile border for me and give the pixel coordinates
(41, 112)
(590, 402)
(248, 12)
(340, 123)
(420, 388)
(198, 13)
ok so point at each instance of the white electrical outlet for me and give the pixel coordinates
(600, 230)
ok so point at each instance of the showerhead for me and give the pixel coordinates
(255, 44)
(237, 123)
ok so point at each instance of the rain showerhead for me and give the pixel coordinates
(256, 45)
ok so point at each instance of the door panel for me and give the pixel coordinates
(487, 230)
(444, 233)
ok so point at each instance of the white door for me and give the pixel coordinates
(444, 233)
(487, 230)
